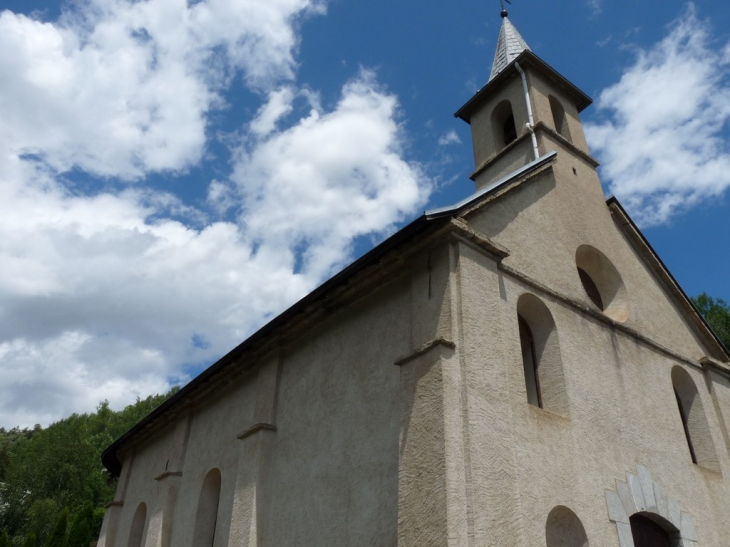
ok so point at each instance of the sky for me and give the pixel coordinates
(174, 174)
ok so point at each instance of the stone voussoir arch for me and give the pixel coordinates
(640, 494)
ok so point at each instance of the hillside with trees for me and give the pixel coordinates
(52, 482)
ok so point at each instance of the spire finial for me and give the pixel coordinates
(504, 13)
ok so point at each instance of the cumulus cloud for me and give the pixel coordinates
(661, 140)
(121, 88)
(110, 294)
(449, 138)
(331, 177)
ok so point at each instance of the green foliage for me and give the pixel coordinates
(41, 516)
(717, 313)
(30, 541)
(97, 521)
(43, 470)
(57, 537)
(4, 541)
(80, 534)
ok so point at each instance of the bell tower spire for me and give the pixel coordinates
(525, 111)
(509, 45)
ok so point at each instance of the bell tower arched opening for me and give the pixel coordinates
(503, 125)
(559, 120)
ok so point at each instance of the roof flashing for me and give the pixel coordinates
(466, 202)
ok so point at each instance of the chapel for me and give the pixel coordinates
(519, 369)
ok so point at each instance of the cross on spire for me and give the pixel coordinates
(504, 11)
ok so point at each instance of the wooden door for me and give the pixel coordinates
(648, 533)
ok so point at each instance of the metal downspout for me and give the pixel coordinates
(530, 124)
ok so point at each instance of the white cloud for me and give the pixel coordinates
(278, 106)
(121, 88)
(596, 6)
(449, 138)
(662, 142)
(331, 177)
(122, 293)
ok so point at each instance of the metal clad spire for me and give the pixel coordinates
(509, 46)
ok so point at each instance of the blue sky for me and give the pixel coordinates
(174, 174)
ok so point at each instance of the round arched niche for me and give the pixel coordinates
(549, 362)
(136, 532)
(694, 420)
(563, 528)
(602, 283)
(207, 513)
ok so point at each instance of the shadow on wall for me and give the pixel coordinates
(137, 532)
(564, 529)
(207, 513)
(694, 420)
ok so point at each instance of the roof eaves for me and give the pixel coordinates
(109, 456)
(613, 201)
(527, 57)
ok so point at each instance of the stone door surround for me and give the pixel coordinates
(641, 494)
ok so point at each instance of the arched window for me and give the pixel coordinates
(207, 515)
(529, 362)
(541, 360)
(602, 282)
(693, 419)
(561, 123)
(136, 533)
(591, 290)
(564, 529)
(647, 533)
(503, 125)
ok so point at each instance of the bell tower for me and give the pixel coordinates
(524, 111)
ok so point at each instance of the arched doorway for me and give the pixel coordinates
(648, 533)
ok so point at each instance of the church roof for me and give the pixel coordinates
(509, 47)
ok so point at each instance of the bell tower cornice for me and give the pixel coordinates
(526, 58)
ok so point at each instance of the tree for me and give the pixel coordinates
(43, 470)
(98, 520)
(717, 314)
(57, 537)
(80, 534)
(4, 541)
(30, 541)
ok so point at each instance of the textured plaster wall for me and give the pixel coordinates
(481, 120)
(213, 443)
(510, 159)
(720, 387)
(333, 468)
(545, 221)
(540, 91)
(145, 463)
(622, 412)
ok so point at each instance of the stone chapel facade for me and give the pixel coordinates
(519, 369)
